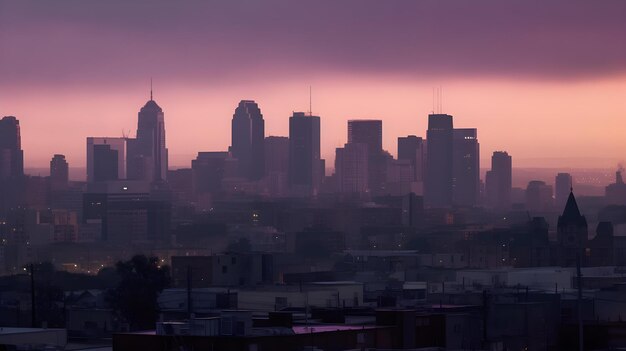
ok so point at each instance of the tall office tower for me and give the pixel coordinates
(351, 168)
(11, 154)
(413, 149)
(276, 164)
(466, 167)
(439, 154)
(100, 167)
(539, 196)
(305, 166)
(499, 181)
(248, 134)
(370, 133)
(147, 153)
(59, 172)
(562, 188)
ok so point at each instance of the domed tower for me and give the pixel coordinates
(147, 154)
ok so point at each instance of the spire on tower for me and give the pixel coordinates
(150, 88)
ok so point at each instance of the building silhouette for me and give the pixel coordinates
(276, 164)
(499, 181)
(439, 158)
(351, 168)
(370, 133)
(248, 134)
(305, 165)
(572, 233)
(413, 149)
(59, 172)
(105, 163)
(147, 153)
(562, 187)
(11, 154)
(615, 193)
(106, 159)
(539, 196)
(466, 167)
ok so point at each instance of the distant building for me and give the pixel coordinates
(11, 154)
(351, 168)
(562, 187)
(615, 193)
(370, 133)
(59, 173)
(305, 165)
(209, 170)
(466, 167)
(499, 181)
(106, 159)
(276, 164)
(248, 134)
(126, 212)
(539, 196)
(439, 159)
(413, 149)
(147, 153)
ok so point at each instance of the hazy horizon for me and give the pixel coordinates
(535, 80)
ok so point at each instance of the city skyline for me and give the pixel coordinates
(539, 73)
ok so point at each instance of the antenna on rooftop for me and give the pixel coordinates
(150, 88)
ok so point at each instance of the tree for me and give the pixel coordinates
(135, 297)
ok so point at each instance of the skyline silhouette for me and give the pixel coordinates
(535, 70)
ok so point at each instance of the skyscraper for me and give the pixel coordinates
(499, 181)
(412, 149)
(276, 164)
(59, 172)
(351, 168)
(370, 133)
(105, 163)
(438, 182)
(305, 165)
(11, 154)
(100, 166)
(466, 167)
(147, 153)
(248, 134)
(562, 189)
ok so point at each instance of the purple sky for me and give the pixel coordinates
(529, 66)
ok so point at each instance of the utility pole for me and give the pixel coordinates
(32, 296)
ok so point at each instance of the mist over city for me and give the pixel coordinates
(312, 175)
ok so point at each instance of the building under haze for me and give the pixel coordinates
(59, 172)
(413, 149)
(539, 196)
(499, 181)
(562, 187)
(248, 134)
(147, 153)
(439, 159)
(11, 154)
(305, 165)
(106, 159)
(276, 164)
(370, 133)
(466, 167)
(351, 168)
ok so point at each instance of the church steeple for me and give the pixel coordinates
(571, 211)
